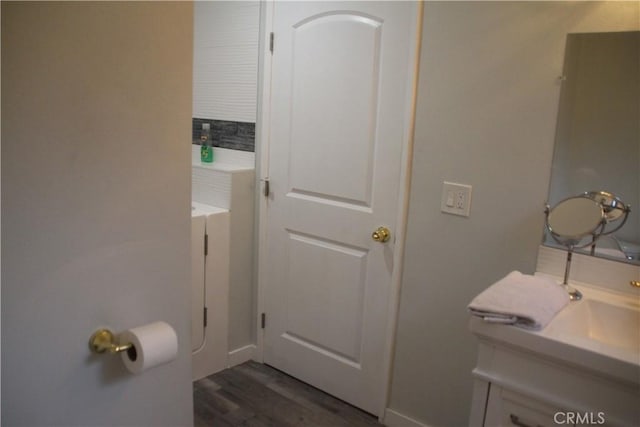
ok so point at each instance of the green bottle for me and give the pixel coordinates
(206, 149)
(206, 154)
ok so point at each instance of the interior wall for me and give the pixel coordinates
(96, 105)
(486, 114)
(225, 66)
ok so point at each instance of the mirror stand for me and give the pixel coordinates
(574, 294)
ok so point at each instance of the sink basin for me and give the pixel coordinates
(611, 324)
(603, 322)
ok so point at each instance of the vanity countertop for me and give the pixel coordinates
(222, 167)
(600, 333)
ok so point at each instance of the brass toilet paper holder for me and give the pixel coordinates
(103, 340)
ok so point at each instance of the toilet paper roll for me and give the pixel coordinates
(153, 345)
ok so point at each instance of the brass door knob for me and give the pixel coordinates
(382, 234)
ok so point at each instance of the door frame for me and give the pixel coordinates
(262, 174)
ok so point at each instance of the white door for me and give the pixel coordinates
(340, 82)
(96, 127)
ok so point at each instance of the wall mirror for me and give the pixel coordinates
(597, 145)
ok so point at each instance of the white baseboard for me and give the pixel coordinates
(396, 419)
(241, 355)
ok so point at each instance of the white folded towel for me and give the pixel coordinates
(520, 300)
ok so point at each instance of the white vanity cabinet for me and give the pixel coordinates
(228, 183)
(508, 408)
(523, 378)
(210, 264)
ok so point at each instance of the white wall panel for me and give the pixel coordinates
(225, 65)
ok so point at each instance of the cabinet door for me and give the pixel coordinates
(197, 281)
(506, 408)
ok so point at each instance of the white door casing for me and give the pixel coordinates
(337, 129)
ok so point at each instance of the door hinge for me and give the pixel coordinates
(263, 320)
(206, 244)
(267, 187)
(205, 317)
(271, 37)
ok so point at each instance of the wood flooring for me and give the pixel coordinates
(256, 395)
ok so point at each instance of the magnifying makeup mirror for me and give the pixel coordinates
(574, 219)
(575, 222)
(578, 221)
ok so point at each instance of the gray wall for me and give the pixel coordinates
(486, 114)
(96, 108)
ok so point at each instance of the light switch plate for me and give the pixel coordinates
(456, 198)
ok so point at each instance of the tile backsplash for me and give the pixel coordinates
(227, 134)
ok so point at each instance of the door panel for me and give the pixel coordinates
(338, 82)
(338, 109)
(326, 294)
